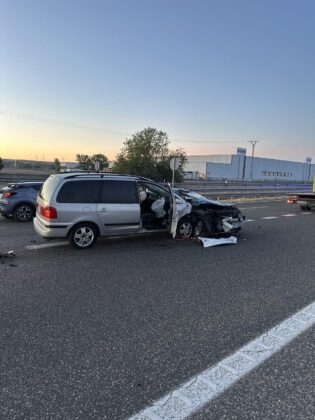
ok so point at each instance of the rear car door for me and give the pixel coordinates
(118, 208)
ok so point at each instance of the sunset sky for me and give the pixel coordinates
(79, 76)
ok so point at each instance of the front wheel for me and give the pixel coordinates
(83, 236)
(185, 229)
(23, 213)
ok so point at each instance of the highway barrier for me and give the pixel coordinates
(212, 189)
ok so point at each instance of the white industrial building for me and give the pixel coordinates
(240, 166)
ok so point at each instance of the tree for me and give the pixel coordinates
(1, 164)
(165, 170)
(87, 163)
(141, 153)
(147, 154)
(57, 166)
(84, 162)
(102, 159)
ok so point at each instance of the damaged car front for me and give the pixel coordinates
(210, 218)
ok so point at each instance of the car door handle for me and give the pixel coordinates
(104, 210)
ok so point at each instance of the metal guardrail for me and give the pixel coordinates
(4, 178)
(232, 190)
(211, 189)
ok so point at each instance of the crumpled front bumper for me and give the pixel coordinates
(232, 224)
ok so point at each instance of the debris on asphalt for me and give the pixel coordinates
(207, 242)
(9, 254)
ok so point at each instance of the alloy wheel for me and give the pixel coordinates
(84, 236)
(185, 230)
(24, 213)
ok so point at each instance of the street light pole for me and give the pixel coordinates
(253, 143)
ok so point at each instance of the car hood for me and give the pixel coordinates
(215, 205)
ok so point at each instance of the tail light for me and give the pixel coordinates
(48, 212)
(7, 194)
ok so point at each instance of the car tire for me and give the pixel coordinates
(185, 228)
(199, 228)
(23, 212)
(83, 236)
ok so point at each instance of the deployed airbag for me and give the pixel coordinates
(158, 208)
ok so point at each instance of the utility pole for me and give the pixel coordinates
(253, 143)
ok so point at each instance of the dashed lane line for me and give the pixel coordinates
(200, 390)
(249, 220)
(289, 215)
(269, 217)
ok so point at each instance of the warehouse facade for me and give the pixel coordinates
(240, 166)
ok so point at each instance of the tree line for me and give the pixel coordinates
(146, 153)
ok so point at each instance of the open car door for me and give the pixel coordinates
(173, 213)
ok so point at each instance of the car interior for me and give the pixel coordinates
(155, 206)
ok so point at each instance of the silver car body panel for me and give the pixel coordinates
(119, 218)
(111, 219)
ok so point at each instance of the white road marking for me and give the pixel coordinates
(48, 245)
(249, 220)
(207, 385)
(288, 215)
(305, 212)
(270, 217)
(3, 227)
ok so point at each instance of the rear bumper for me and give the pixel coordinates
(48, 230)
(6, 209)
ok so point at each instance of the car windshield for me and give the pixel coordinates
(193, 196)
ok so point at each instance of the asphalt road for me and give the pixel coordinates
(101, 333)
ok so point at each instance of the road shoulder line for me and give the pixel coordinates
(204, 387)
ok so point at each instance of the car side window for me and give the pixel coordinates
(79, 192)
(119, 192)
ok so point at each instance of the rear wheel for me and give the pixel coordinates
(23, 212)
(83, 236)
(184, 229)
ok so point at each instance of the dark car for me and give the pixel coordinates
(19, 200)
(208, 218)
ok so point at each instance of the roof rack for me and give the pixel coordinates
(107, 174)
(100, 174)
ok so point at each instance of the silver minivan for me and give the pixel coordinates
(83, 206)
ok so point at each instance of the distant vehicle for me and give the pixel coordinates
(305, 200)
(18, 200)
(83, 206)
(208, 217)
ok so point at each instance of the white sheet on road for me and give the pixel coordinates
(221, 241)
